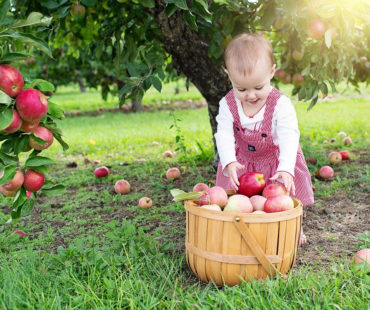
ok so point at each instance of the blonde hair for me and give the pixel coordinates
(245, 50)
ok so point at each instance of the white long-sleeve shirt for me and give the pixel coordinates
(284, 129)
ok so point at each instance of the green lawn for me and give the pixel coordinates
(93, 249)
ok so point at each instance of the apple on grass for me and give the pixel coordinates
(278, 203)
(258, 202)
(274, 189)
(200, 187)
(311, 160)
(173, 173)
(347, 141)
(15, 124)
(345, 154)
(167, 154)
(122, 187)
(335, 157)
(145, 202)
(325, 172)
(11, 80)
(214, 195)
(362, 256)
(33, 180)
(239, 203)
(31, 104)
(101, 172)
(251, 183)
(44, 134)
(20, 233)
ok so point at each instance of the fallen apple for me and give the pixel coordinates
(20, 233)
(31, 104)
(15, 124)
(325, 172)
(251, 183)
(200, 187)
(167, 154)
(11, 80)
(347, 141)
(173, 173)
(278, 203)
(214, 195)
(239, 203)
(95, 162)
(311, 160)
(44, 134)
(362, 256)
(274, 189)
(342, 134)
(258, 202)
(335, 157)
(101, 172)
(145, 202)
(122, 187)
(33, 180)
(345, 154)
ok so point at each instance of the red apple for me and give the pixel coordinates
(95, 162)
(325, 172)
(258, 202)
(122, 187)
(335, 157)
(7, 193)
(15, 124)
(30, 126)
(280, 73)
(239, 203)
(311, 160)
(11, 81)
(362, 256)
(315, 29)
(28, 194)
(20, 233)
(275, 189)
(342, 134)
(213, 207)
(251, 183)
(14, 183)
(345, 154)
(287, 79)
(298, 79)
(33, 180)
(167, 154)
(347, 141)
(31, 104)
(101, 172)
(278, 203)
(200, 187)
(214, 195)
(145, 202)
(297, 55)
(173, 173)
(44, 134)
(78, 10)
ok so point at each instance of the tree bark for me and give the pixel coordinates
(190, 55)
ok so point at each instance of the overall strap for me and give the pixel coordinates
(233, 107)
(271, 102)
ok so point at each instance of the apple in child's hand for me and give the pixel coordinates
(278, 203)
(258, 202)
(145, 202)
(251, 183)
(122, 187)
(335, 157)
(213, 207)
(345, 154)
(200, 187)
(173, 173)
(239, 203)
(274, 189)
(325, 172)
(101, 172)
(20, 233)
(214, 195)
(11, 80)
(362, 256)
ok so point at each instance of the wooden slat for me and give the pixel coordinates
(192, 232)
(281, 242)
(289, 245)
(214, 245)
(261, 239)
(271, 239)
(298, 233)
(202, 245)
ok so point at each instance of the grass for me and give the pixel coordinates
(92, 249)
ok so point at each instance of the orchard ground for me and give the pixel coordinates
(94, 248)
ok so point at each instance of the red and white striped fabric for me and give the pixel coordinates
(256, 150)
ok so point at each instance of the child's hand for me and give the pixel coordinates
(232, 169)
(288, 180)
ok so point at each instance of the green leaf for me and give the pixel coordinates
(181, 4)
(55, 110)
(4, 98)
(9, 57)
(204, 4)
(8, 159)
(41, 85)
(6, 117)
(58, 189)
(190, 20)
(32, 40)
(313, 102)
(33, 19)
(61, 141)
(156, 82)
(4, 9)
(37, 161)
(148, 3)
(170, 9)
(8, 173)
(180, 195)
(20, 198)
(21, 143)
(28, 206)
(124, 90)
(88, 2)
(328, 38)
(42, 169)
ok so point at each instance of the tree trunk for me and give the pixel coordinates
(136, 105)
(190, 55)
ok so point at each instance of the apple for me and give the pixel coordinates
(155, 143)
(298, 79)
(297, 55)
(122, 187)
(345, 154)
(44, 134)
(145, 202)
(347, 141)
(167, 154)
(214, 195)
(239, 203)
(101, 172)
(78, 9)
(14, 183)
(335, 157)
(200, 187)
(280, 73)
(28, 194)
(325, 142)
(274, 189)
(278, 203)
(31, 104)
(213, 207)
(311, 160)
(11, 81)
(287, 79)
(258, 202)
(325, 172)
(342, 134)
(258, 212)
(7, 193)
(362, 256)
(95, 162)
(20, 233)
(30, 126)
(33, 180)
(15, 124)
(173, 173)
(315, 29)
(251, 183)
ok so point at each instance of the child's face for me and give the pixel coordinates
(253, 89)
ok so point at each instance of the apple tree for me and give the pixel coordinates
(27, 116)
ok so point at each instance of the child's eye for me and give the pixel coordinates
(258, 88)
(241, 90)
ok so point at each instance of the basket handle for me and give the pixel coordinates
(255, 247)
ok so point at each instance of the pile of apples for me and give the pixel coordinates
(253, 196)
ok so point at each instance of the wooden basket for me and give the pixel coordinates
(227, 247)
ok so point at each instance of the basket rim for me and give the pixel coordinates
(193, 208)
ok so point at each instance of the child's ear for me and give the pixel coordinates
(273, 69)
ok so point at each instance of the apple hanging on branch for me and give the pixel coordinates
(27, 122)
